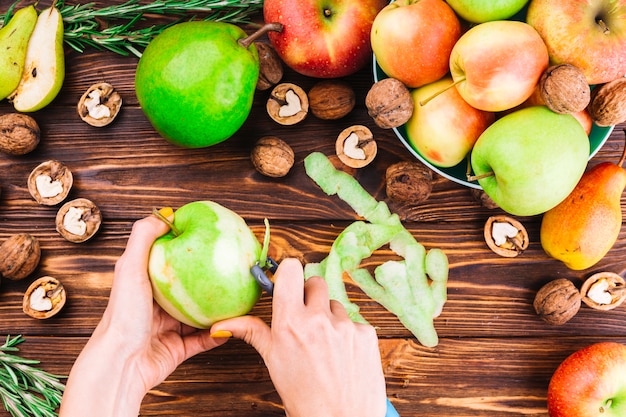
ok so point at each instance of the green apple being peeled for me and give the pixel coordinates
(479, 11)
(444, 128)
(200, 270)
(14, 38)
(196, 81)
(530, 159)
(44, 65)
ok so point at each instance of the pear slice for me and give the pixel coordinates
(13, 44)
(44, 69)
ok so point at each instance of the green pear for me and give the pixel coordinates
(530, 160)
(584, 227)
(195, 81)
(13, 44)
(44, 69)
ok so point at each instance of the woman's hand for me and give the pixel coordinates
(136, 345)
(321, 363)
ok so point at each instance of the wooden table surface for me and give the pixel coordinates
(495, 356)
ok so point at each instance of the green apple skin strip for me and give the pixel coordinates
(402, 287)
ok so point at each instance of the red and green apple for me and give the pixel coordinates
(323, 38)
(480, 11)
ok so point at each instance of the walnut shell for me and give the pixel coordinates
(508, 245)
(608, 103)
(272, 156)
(331, 99)
(408, 182)
(355, 146)
(20, 256)
(564, 89)
(78, 220)
(270, 66)
(557, 301)
(389, 103)
(99, 105)
(607, 285)
(50, 182)
(288, 104)
(44, 298)
(19, 134)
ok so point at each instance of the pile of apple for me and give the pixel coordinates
(474, 78)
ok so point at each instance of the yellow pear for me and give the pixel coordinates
(584, 227)
(13, 44)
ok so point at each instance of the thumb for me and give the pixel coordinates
(250, 329)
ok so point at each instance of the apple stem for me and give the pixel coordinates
(472, 178)
(427, 99)
(268, 27)
(165, 220)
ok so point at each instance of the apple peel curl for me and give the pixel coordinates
(414, 289)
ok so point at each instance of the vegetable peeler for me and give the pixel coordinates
(258, 272)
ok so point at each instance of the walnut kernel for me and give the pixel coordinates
(506, 236)
(557, 301)
(78, 220)
(355, 146)
(20, 256)
(44, 298)
(272, 156)
(408, 182)
(99, 105)
(608, 103)
(288, 104)
(604, 291)
(50, 182)
(331, 99)
(389, 103)
(19, 134)
(564, 89)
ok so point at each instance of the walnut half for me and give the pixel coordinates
(50, 182)
(78, 220)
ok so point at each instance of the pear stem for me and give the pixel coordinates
(165, 220)
(427, 99)
(623, 158)
(268, 27)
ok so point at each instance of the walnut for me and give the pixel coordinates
(564, 89)
(557, 301)
(604, 291)
(481, 197)
(355, 146)
(19, 134)
(44, 298)
(78, 220)
(99, 105)
(331, 99)
(506, 236)
(20, 256)
(288, 104)
(608, 103)
(408, 182)
(50, 182)
(389, 103)
(270, 66)
(272, 156)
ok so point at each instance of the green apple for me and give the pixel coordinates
(196, 81)
(479, 11)
(44, 67)
(14, 38)
(200, 270)
(530, 160)
(443, 127)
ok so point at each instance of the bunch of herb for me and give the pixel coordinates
(116, 28)
(25, 389)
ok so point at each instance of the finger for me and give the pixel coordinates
(142, 236)
(338, 310)
(288, 287)
(200, 341)
(251, 330)
(316, 293)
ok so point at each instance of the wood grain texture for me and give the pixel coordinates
(495, 356)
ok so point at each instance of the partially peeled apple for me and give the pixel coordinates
(196, 80)
(200, 269)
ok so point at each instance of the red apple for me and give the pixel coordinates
(444, 128)
(412, 40)
(588, 34)
(591, 382)
(323, 38)
(497, 64)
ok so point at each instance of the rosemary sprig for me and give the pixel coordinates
(25, 389)
(113, 28)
